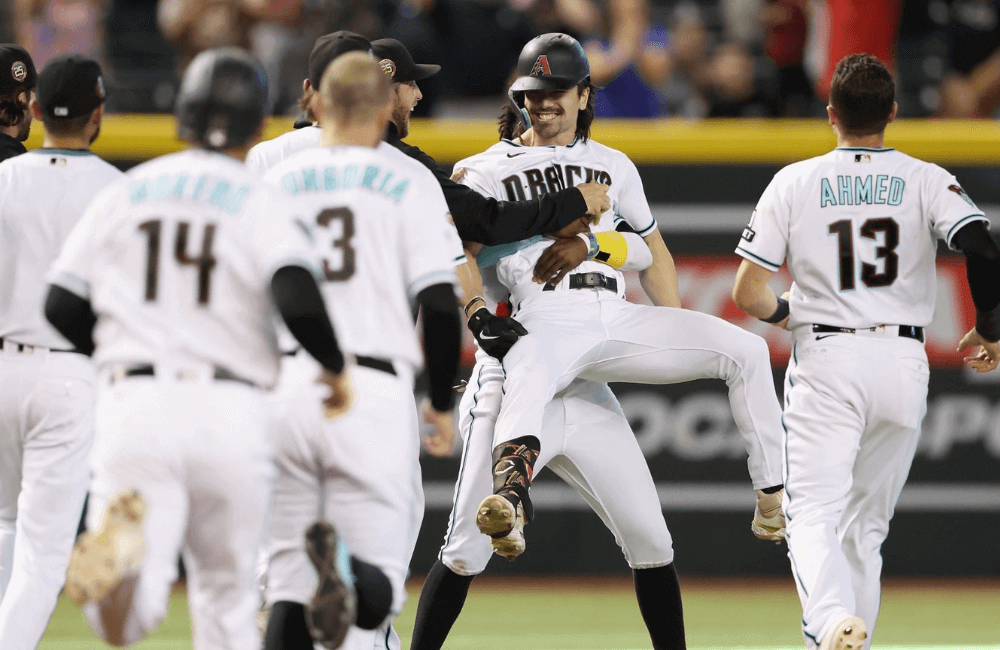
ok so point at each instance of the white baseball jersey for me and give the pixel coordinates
(860, 227)
(44, 194)
(177, 260)
(384, 234)
(514, 172)
(267, 154)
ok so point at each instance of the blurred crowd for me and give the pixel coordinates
(652, 58)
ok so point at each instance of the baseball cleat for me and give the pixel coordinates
(850, 634)
(103, 557)
(768, 520)
(496, 516)
(332, 609)
(512, 544)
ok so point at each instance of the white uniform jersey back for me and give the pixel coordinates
(512, 172)
(44, 194)
(384, 235)
(177, 260)
(859, 228)
(265, 155)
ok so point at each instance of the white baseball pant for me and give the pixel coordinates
(360, 471)
(594, 335)
(853, 408)
(588, 444)
(200, 453)
(46, 432)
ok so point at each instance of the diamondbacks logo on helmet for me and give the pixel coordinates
(388, 67)
(19, 71)
(541, 67)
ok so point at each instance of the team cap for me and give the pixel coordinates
(17, 70)
(70, 86)
(395, 61)
(329, 47)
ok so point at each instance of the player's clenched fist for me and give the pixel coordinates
(442, 441)
(564, 255)
(495, 334)
(596, 196)
(341, 396)
(988, 356)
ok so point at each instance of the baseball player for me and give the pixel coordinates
(46, 387)
(387, 244)
(17, 81)
(168, 279)
(582, 333)
(859, 229)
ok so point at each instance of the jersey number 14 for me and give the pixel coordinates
(205, 262)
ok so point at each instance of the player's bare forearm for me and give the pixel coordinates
(470, 280)
(751, 292)
(659, 281)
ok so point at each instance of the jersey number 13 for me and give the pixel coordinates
(870, 273)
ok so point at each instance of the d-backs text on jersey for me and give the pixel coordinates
(550, 179)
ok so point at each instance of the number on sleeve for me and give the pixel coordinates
(204, 261)
(343, 243)
(886, 252)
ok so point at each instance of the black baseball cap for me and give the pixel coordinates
(70, 85)
(329, 47)
(395, 61)
(17, 70)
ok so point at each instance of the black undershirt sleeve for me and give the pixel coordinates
(301, 306)
(72, 316)
(488, 221)
(442, 341)
(982, 268)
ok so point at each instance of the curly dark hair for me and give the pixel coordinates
(862, 93)
(511, 123)
(12, 108)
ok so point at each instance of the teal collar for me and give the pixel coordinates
(64, 152)
(871, 149)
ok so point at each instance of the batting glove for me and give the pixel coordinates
(495, 334)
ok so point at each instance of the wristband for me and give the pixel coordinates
(593, 248)
(471, 303)
(988, 324)
(779, 314)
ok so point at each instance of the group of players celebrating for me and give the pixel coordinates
(248, 313)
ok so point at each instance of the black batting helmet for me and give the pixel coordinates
(222, 98)
(549, 62)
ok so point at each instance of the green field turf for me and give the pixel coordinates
(591, 614)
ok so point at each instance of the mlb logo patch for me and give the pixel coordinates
(862, 157)
(541, 67)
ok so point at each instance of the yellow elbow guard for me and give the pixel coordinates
(613, 248)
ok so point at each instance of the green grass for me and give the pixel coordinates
(584, 614)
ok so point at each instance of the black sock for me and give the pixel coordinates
(441, 602)
(374, 592)
(659, 596)
(286, 628)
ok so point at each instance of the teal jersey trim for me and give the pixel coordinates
(490, 255)
(872, 149)
(64, 152)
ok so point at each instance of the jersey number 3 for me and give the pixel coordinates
(343, 243)
(870, 274)
(205, 262)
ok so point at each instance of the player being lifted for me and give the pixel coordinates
(170, 279)
(859, 228)
(580, 327)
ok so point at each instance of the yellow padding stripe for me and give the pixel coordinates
(614, 248)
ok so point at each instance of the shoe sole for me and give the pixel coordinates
(510, 546)
(103, 557)
(849, 635)
(496, 516)
(331, 611)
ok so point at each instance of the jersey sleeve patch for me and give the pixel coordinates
(757, 259)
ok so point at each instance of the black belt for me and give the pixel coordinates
(588, 281)
(148, 370)
(376, 364)
(21, 347)
(906, 331)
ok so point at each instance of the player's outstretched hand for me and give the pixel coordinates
(495, 334)
(560, 258)
(442, 441)
(986, 358)
(596, 196)
(458, 174)
(341, 396)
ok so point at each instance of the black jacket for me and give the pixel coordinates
(488, 221)
(10, 147)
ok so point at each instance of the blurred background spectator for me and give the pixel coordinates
(652, 58)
